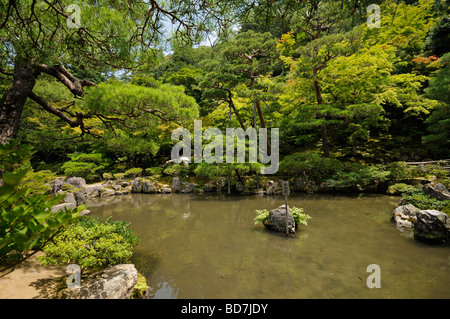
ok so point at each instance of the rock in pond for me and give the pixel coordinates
(277, 220)
(432, 226)
(405, 215)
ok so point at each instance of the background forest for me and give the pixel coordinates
(351, 102)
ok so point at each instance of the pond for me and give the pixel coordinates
(207, 246)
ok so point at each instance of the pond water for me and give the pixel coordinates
(207, 246)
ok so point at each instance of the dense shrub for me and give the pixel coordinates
(119, 175)
(88, 166)
(311, 165)
(399, 171)
(37, 182)
(400, 188)
(91, 244)
(362, 177)
(422, 200)
(205, 170)
(133, 172)
(154, 171)
(176, 170)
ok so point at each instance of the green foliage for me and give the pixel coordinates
(133, 172)
(154, 170)
(88, 166)
(360, 177)
(37, 182)
(400, 188)
(399, 171)
(261, 216)
(438, 39)
(107, 176)
(309, 164)
(91, 244)
(119, 175)
(438, 139)
(298, 214)
(421, 200)
(176, 170)
(140, 288)
(26, 221)
(205, 170)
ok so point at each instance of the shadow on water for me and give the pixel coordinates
(207, 246)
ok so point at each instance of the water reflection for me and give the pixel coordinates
(207, 246)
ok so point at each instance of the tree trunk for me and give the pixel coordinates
(263, 125)
(325, 144)
(324, 133)
(13, 100)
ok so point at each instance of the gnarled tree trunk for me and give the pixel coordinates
(13, 100)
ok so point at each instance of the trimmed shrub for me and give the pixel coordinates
(91, 244)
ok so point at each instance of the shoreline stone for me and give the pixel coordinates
(113, 282)
(431, 226)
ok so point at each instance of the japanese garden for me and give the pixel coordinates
(225, 149)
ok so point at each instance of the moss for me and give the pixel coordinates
(141, 288)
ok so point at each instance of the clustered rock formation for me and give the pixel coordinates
(431, 226)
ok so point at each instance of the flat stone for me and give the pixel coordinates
(108, 192)
(93, 190)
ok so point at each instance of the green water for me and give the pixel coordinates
(196, 246)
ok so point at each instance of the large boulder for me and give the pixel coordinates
(93, 190)
(114, 282)
(77, 182)
(437, 191)
(70, 198)
(137, 186)
(148, 187)
(277, 220)
(405, 216)
(208, 188)
(56, 186)
(176, 185)
(432, 226)
(188, 187)
(80, 197)
(305, 185)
